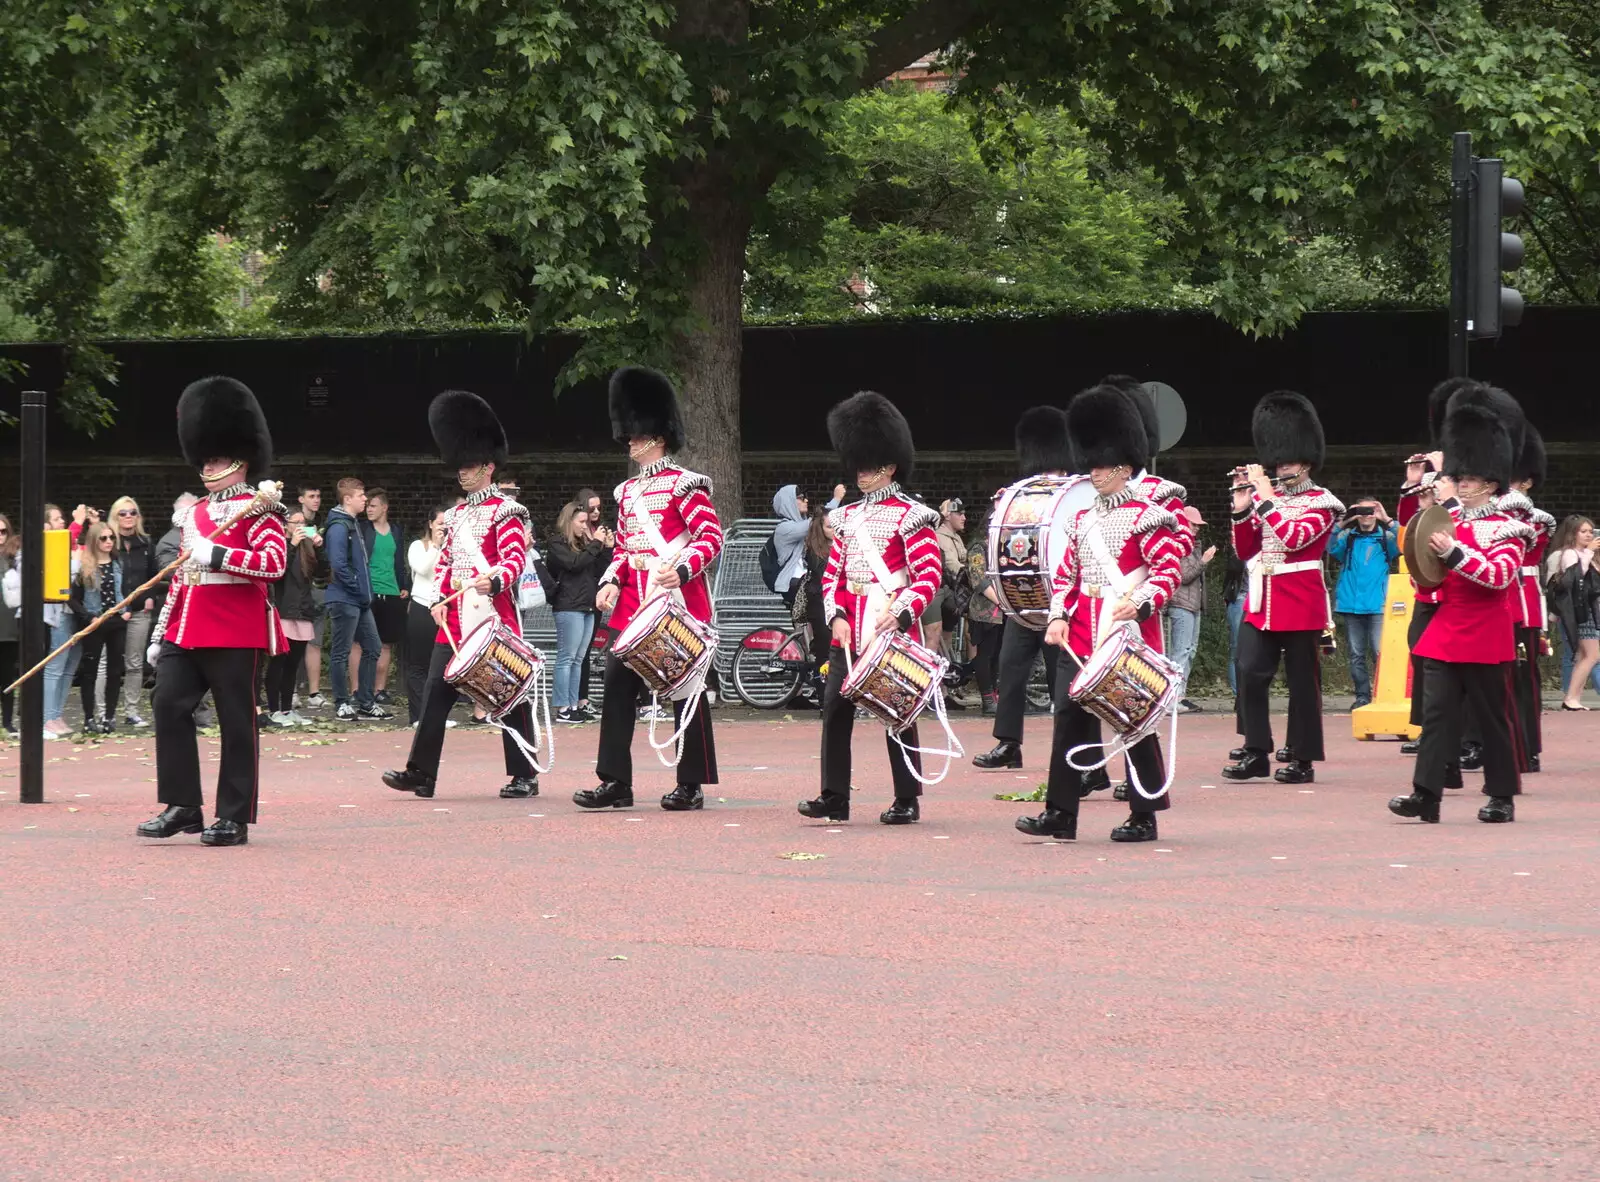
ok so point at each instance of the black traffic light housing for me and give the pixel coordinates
(1491, 250)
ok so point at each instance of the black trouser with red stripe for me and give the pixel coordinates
(183, 675)
(1450, 688)
(1421, 613)
(1073, 727)
(1259, 654)
(838, 727)
(1527, 693)
(618, 717)
(427, 745)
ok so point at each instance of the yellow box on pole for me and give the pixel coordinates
(57, 551)
(1389, 713)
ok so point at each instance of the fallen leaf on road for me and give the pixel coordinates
(801, 856)
(618, 958)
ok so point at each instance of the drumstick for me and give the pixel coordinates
(182, 557)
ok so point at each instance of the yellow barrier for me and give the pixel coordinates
(57, 565)
(1390, 710)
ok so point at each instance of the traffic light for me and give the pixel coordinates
(1491, 251)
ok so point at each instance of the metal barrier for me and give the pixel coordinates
(740, 601)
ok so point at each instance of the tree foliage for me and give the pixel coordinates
(918, 212)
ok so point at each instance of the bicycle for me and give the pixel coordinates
(770, 665)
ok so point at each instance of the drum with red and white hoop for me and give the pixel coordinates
(667, 647)
(1127, 685)
(495, 667)
(895, 679)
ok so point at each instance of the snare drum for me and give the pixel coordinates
(667, 647)
(895, 679)
(1025, 539)
(1127, 685)
(495, 667)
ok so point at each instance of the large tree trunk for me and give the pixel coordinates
(708, 358)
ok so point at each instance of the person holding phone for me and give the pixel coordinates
(1366, 546)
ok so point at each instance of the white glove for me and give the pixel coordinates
(203, 552)
(153, 653)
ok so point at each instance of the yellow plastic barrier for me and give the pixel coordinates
(1390, 710)
(57, 565)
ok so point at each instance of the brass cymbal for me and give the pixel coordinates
(1426, 567)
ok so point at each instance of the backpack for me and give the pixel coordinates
(768, 558)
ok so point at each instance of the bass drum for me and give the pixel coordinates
(1027, 533)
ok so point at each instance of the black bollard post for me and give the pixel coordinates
(30, 706)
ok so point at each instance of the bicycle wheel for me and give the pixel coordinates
(768, 667)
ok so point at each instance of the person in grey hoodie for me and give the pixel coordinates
(792, 508)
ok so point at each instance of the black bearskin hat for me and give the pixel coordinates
(868, 432)
(1286, 430)
(1438, 400)
(1477, 437)
(1532, 464)
(643, 403)
(1142, 402)
(467, 430)
(220, 419)
(1042, 441)
(1107, 430)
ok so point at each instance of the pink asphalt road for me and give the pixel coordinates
(1291, 984)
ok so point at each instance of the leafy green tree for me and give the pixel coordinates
(608, 160)
(918, 212)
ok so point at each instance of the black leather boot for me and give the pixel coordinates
(1120, 792)
(173, 820)
(1410, 746)
(1006, 754)
(1417, 805)
(1095, 781)
(1138, 827)
(1471, 757)
(1285, 754)
(609, 795)
(1499, 811)
(1050, 823)
(1254, 765)
(825, 808)
(1533, 763)
(410, 780)
(221, 832)
(901, 812)
(520, 787)
(1298, 771)
(684, 798)
(1238, 753)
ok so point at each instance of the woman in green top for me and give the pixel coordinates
(391, 585)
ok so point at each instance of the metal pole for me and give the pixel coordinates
(1460, 229)
(31, 527)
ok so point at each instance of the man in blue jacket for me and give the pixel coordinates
(1365, 546)
(349, 604)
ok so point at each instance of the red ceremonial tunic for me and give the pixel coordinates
(1145, 543)
(678, 502)
(485, 535)
(901, 531)
(1474, 624)
(228, 602)
(1528, 606)
(1168, 495)
(1281, 541)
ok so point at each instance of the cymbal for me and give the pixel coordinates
(1426, 567)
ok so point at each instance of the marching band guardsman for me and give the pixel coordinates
(485, 549)
(667, 536)
(218, 623)
(1470, 643)
(1120, 566)
(1281, 535)
(1042, 450)
(1528, 600)
(883, 568)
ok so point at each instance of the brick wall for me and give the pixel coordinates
(548, 480)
